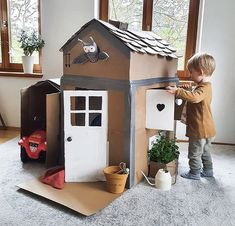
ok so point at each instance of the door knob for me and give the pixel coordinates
(69, 139)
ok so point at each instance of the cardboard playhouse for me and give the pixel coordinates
(113, 100)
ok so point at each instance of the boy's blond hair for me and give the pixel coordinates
(202, 61)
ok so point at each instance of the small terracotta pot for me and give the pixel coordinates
(115, 183)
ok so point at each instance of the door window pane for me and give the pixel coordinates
(78, 119)
(95, 119)
(21, 15)
(170, 22)
(130, 11)
(78, 103)
(95, 103)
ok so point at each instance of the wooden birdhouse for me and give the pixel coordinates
(110, 78)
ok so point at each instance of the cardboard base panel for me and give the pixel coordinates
(86, 198)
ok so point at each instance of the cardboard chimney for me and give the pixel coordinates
(107, 73)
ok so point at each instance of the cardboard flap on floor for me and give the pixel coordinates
(86, 198)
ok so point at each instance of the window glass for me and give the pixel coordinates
(21, 15)
(130, 11)
(170, 22)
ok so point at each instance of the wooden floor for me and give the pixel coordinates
(8, 134)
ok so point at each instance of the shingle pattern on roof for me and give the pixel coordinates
(143, 42)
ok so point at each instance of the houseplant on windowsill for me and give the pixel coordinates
(30, 42)
(163, 155)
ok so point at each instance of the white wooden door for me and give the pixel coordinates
(159, 109)
(85, 129)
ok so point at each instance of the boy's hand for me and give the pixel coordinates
(171, 89)
(187, 86)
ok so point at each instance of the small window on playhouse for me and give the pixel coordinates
(95, 103)
(78, 119)
(95, 119)
(78, 103)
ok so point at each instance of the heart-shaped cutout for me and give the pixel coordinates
(160, 107)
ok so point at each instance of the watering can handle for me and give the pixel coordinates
(147, 178)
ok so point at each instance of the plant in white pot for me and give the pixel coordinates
(30, 42)
(164, 155)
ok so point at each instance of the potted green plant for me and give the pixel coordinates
(30, 42)
(163, 155)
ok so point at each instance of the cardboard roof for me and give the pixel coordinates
(143, 42)
(55, 83)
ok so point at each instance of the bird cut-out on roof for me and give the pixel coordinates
(91, 53)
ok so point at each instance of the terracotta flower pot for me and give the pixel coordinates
(115, 182)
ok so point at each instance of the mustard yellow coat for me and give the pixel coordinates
(199, 119)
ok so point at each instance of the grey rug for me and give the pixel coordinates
(205, 202)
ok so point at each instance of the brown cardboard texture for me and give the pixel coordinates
(136, 61)
(85, 198)
(53, 129)
(142, 134)
(40, 110)
(132, 56)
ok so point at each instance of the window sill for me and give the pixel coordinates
(20, 74)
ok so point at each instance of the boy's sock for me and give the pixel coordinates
(207, 173)
(189, 175)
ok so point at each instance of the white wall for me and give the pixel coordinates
(10, 98)
(217, 38)
(60, 20)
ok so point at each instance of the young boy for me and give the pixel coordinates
(200, 126)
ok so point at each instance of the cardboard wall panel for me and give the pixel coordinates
(116, 126)
(53, 129)
(142, 134)
(115, 67)
(33, 106)
(145, 66)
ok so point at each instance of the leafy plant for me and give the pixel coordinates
(30, 42)
(164, 150)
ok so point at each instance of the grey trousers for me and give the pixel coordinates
(199, 154)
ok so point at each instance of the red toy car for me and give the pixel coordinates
(34, 146)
